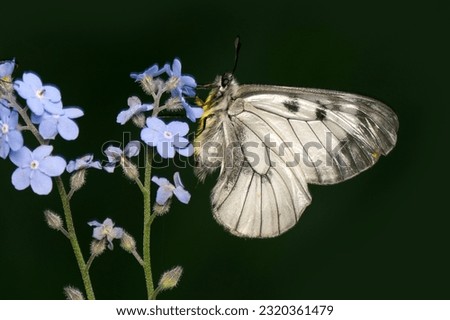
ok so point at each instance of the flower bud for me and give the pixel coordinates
(129, 169)
(172, 83)
(98, 247)
(151, 85)
(78, 179)
(53, 220)
(162, 209)
(169, 279)
(73, 293)
(174, 104)
(139, 120)
(127, 243)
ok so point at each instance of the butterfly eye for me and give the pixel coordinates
(226, 78)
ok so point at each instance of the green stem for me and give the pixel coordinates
(148, 219)
(74, 241)
(65, 200)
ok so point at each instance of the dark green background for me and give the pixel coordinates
(381, 235)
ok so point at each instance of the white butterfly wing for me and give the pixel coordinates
(335, 135)
(278, 139)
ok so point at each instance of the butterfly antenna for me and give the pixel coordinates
(237, 47)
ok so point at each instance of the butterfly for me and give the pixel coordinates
(270, 142)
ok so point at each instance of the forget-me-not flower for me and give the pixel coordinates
(52, 124)
(166, 190)
(39, 97)
(135, 108)
(36, 168)
(116, 155)
(151, 72)
(185, 86)
(106, 230)
(6, 68)
(10, 137)
(167, 138)
(82, 163)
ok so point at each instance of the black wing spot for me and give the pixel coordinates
(320, 114)
(291, 105)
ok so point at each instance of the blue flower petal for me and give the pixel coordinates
(52, 107)
(48, 128)
(186, 152)
(22, 157)
(160, 181)
(13, 119)
(165, 149)
(132, 149)
(162, 195)
(4, 148)
(7, 68)
(113, 153)
(156, 124)
(73, 113)
(177, 180)
(35, 105)
(150, 136)
(41, 152)
(15, 140)
(32, 80)
(189, 81)
(180, 142)
(23, 89)
(178, 128)
(21, 178)
(52, 93)
(182, 195)
(94, 223)
(176, 68)
(52, 166)
(41, 183)
(67, 128)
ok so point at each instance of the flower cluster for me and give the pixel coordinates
(167, 138)
(41, 112)
(36, 167)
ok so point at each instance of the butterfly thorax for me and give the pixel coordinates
(217, 100)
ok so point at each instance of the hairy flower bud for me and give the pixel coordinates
(78, 179)
(129, 169)
(73, 293)
(139, 120)
(53, 220)
(98, 247)
(127, 242)
(170, 279)
(162, 209)
(174, 104)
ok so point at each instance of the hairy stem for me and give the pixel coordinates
(148, 219)
(65, 200)
(74, 241)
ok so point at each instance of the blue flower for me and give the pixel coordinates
(52, 124)
(192, 113)
(83, 162)
(116, 155)
(152, 72)
(136, 108)
(106, 230)
(39, 98)
(167, 138)
(185, 86)
(6, 68)
(36, 169)
(166, 190)
(10, 137)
